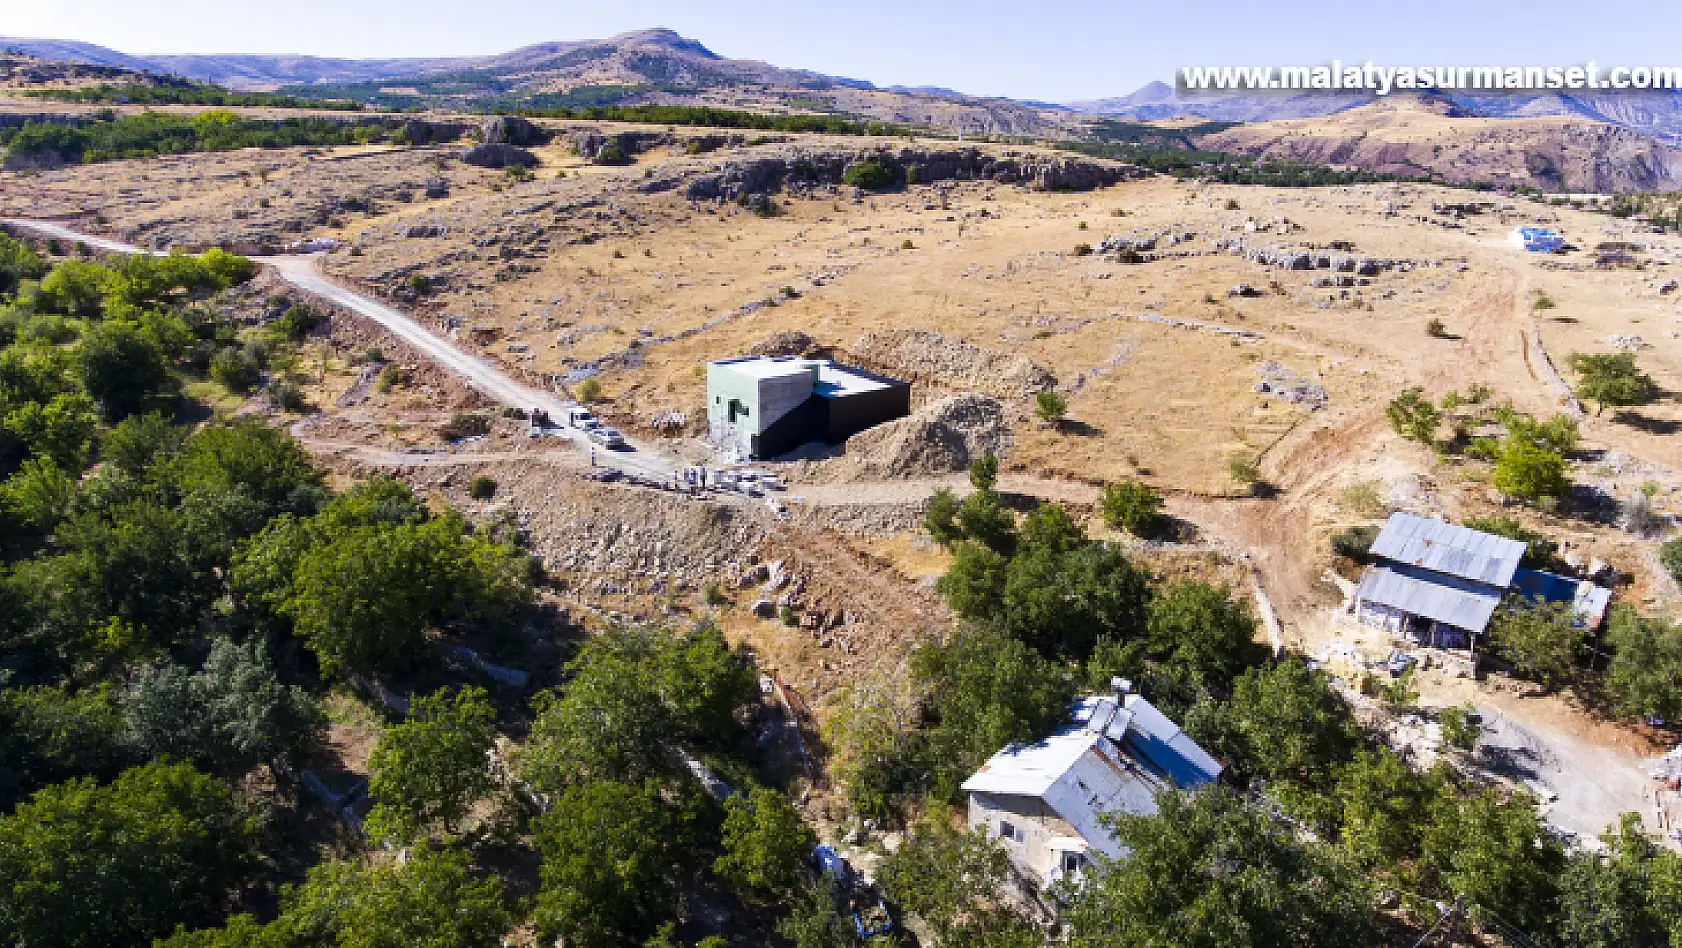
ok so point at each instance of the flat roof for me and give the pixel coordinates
(834, 381)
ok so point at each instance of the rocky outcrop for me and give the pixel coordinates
(498, 156)
(512, 130)
(422, 132)
(800, 169)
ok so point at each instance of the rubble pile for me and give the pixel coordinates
(942, 437)
(931, 358)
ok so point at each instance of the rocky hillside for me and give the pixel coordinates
(1421, 136)
(643, 67)
(1656, 112)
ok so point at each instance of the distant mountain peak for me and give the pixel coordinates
(663, 38)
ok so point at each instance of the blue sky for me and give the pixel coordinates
(1046, 50)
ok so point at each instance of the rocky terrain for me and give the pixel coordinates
(1419, 136)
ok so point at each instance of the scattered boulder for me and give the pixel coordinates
(498, 156)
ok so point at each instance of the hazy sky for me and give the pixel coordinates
(1045, 50)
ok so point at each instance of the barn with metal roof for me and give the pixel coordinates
(1439, 584)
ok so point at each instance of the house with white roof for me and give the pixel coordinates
(1043, 801)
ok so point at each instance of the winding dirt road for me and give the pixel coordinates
(304, 272)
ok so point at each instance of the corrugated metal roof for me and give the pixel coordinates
(1458, 602)
(1443, 547)
(1081, 773)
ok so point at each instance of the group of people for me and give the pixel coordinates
(694, 478)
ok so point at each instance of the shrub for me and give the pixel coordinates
(613, 153)
(871, 174)
(1460, 727)
(1231, 204)
(590, 390)
(1670, 557)
(1413, 417)
(712, 595)
(1527, 472)
(1131, 506)
(1543, 301)
(1244, 471)
(1083, 250)
(391, 376)
(297, 322)
(481, 488)
(235, 369)
(1435, 329)
(1051, 407)
(1364, 498)
(288, 397)
(1354, 543)
(906, 244)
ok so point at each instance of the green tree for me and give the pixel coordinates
(122, 368)
(1541, 639)
(1491, 849)
(433, 899)
(226, 718)
(1051, 407)
(1201, 628)
(18, 262)
(85, 865)
(985, 690)
(703, 683)
(870, 174)
(1644, 677)
(1208, 871)
(1384, 807)
(983, 518)
(38, 495)
(1413, 416)
(1612, 379)
(815, 922)
(139, 441)
(947, 877)
(1131, 506)
(1283, 724)
(974, 584)
(48, 735)
(765, 844)
(940, 518)
(984, 472)
(73, 288)
(266, 463)
(1629, 896)
(1530, 473)
(430, 768)
(608, 865)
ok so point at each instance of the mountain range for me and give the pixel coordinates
(1576, 141)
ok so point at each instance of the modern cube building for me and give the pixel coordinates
(762, 406)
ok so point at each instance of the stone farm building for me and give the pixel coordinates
(1438, 584)
(761, 406)
(1042, 801)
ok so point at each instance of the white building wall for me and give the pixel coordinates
(1035, 825)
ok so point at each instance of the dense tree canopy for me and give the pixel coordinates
(1209, 871)
(429, 768)
(87, 865)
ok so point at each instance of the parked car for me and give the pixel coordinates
(607, 437)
